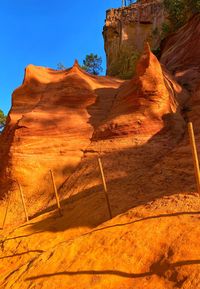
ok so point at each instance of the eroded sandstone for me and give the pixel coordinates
(147, 103)
(50, 124)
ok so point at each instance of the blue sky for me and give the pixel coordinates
(46, 32)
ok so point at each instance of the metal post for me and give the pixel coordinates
(23, 202)
(105, 187)
(195, 155)
(56, 192)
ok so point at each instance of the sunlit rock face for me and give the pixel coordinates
(125, 32)
(56, 115)
(145, 104)
(51, 121)
(152, 240)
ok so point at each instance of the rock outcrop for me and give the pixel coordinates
(152, 240)
(125, 32)
(50, 124)
(180, 53)
(56, 114)
(146, 104)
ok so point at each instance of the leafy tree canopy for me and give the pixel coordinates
(60, 66)
(2, 119)
(92, 64)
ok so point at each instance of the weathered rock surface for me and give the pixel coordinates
(146, 104)
(180, 53)
(152, 240)
(125, 32)
(55, 115)
(50, 124)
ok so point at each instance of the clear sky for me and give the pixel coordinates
(46, 32)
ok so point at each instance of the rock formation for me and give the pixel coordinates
(146, 104)
(55, 114)
(180, 53)
(137, 127)
(49, 126)
(125, 32)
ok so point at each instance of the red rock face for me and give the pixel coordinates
(151, 183)
(50, 124)
(181, 55)
(145, 104)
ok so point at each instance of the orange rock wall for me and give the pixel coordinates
(56, 114)
(49, 126)
(146, 103)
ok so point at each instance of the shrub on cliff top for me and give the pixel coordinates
(180, 11)
(124, 67)
(91, 64)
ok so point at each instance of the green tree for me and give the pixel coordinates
(2, 119)
(92, 64)
(61, 66)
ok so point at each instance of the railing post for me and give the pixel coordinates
(105, 187)
(6, 212)
(195, 155)
(23, 202)
(56, 192)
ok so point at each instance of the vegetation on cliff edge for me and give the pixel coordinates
(124, 67)
(180, 11)
(92, 64)
(2, 120)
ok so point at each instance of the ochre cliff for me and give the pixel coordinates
(125, 32)
(180, 54)
(55, 115)
(49, 126)
(147, 103)
(152, 241)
